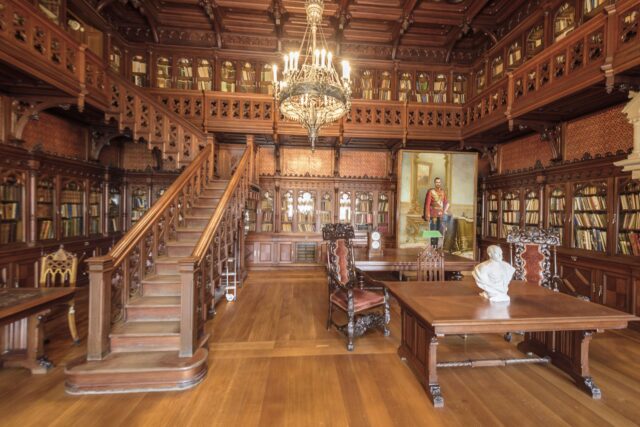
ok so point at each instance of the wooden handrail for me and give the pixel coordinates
(133, 236)
(210, 230)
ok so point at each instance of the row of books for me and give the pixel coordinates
(94, 210)
(593, 240)
(72, 196)
(630, 201)
(532, 204)
(10, 232)
(114, 225)
(532, 217)
(286, 226)
(511, 205)
(9, 210)
(267, 227)
(94, 226)
(364, 206)
(72, 227)
(556, 219)
(506, 228)
(267, 216)
(493, 229)
(45, 229)
(136, 214)
(139, 202)
(631, 221)
(44, 195)
(325, 217)
(383, 218)
(557, 203)
(590, 220)
(383, 206)
(306, 228)
(629, 243)
(493, 205)
(70, 210)
(10, 192)
(512, 217)
(589, 203)
(364, 218)
(493, 216)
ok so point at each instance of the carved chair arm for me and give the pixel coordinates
(367, 282)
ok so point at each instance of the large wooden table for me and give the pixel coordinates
(20, 326)
(558, 327)
(393, 259)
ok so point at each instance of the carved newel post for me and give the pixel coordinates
(632, 110)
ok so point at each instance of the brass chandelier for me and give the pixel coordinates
(312, 94)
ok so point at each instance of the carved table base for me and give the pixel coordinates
(569, 351)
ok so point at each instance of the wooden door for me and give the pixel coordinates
(579, 277)
(614, 290)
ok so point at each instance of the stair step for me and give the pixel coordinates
(167, 265)
(147, 308)
(180, 248)
(197, 220)
(136, 372)
(145, 336)
(198, 210)
(161, 285)
(189, 233)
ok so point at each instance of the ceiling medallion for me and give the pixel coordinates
(313, 93)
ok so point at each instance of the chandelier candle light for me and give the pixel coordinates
(312, 94)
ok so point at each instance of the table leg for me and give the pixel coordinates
(456, 275)
(569, 351)
(424, 365)
(32, 357)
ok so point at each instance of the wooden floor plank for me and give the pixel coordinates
(273, 363)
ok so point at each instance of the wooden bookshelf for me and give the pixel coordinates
(11, 207)
(163, 72)
(590, 216)
(139, 70)
(629, 219)
(306, 211)
(72, 209)
(266, 212)
(557, 210)
(45, 208)
(115, 210)
(139, 203)
(492, 215)
(383, 218)
(204, 75)
(510, 212)
(325, 212)
(95, 209)
(287, 210)
(184, 74)
(345, 207)
(250, 212)
(532, 209)
(364, 211)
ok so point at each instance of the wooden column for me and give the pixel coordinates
(100, 282)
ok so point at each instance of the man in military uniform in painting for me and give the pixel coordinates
(435, 208)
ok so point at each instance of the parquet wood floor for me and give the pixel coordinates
(273, 363)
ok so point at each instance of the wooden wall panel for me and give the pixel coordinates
(364, 163)
(266, 161)
(302, 162)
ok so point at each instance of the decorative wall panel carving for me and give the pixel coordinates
(301, 161)
(266, 161)
(372, 164)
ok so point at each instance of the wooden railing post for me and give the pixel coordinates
(100, 275)
(188, 307)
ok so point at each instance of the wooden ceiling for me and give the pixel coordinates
(436, 31)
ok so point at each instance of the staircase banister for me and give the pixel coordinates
(127, 243)
(150, 100)
(210, 230)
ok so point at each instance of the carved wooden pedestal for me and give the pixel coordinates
(569, 351)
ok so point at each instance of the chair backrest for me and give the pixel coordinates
(58, 269)
(430, 265)
(340, 260)
(530, 252)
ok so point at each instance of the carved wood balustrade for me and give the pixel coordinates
(116, 277)
(217, 242)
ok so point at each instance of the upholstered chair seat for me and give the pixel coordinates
(362, 299)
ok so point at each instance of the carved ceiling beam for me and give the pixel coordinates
(403, 24)
(279, 14)
(465, 27)
(341, 19)
(102, 4)
(212, 11)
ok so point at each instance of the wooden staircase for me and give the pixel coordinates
(144, 348)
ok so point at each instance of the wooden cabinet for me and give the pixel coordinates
(595, 208)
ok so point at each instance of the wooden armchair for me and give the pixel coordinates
(350, 290)
(60, 268)
(430, 265)
(533, 255)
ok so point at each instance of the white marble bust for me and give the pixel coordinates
(494, 275)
